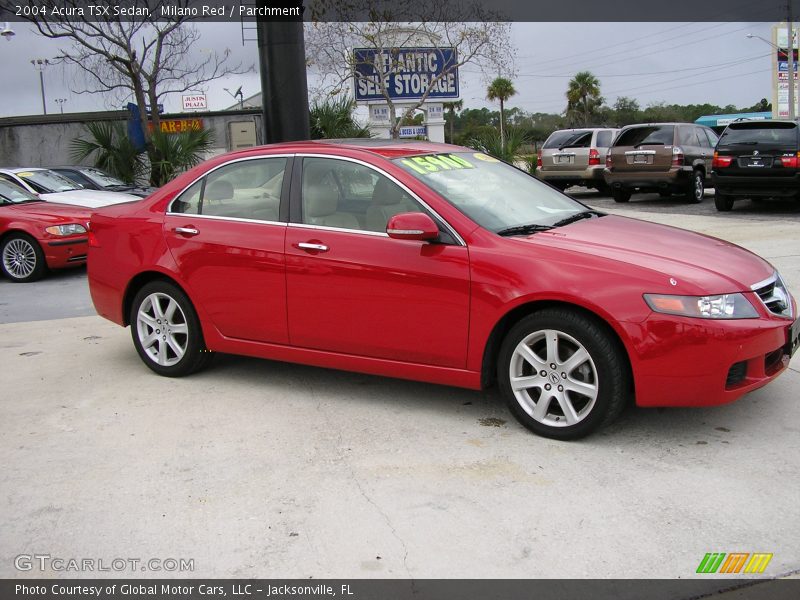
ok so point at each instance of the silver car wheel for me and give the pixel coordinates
(553, 378)
(699, 188)
(19, 258)
(162, 329)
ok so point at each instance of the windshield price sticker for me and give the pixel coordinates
(438, 162)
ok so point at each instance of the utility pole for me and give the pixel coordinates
(790, 58)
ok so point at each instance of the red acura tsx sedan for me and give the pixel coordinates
(442, 264)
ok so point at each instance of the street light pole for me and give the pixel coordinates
(60, 102)
(39, 64)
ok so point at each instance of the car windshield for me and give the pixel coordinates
(493, 194)
(13, 194)
(781, 134)
(101, 178)
(46, 181)
(643, 136)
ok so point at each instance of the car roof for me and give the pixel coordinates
(22, 169)
(382, 147)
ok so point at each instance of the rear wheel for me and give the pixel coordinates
(166, 331)
(621, 195)
(723, 202)
(697, 189)
(22, 258)
(562, 374)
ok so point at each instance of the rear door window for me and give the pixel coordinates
(687, 136)
(604, 138)
(654, 135)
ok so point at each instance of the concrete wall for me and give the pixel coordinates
(44, 140)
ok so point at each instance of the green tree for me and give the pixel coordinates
(110, 150)
(501, 89)
(626, 111)
(177, 152)
(583, 96)
(451, 108)
(333, 118)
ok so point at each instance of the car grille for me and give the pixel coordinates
(774, 295)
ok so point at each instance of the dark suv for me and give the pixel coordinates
(756, 159)
(667, 158)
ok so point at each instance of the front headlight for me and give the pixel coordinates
(71, 229)
(723, 306)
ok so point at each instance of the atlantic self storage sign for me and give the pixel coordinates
(407, 73)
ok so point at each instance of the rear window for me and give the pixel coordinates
(754, 133)
(569, 139)
(642, 136)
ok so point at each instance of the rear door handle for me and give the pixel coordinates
(186, 230)
(314, 247)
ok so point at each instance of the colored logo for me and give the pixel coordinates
(735, 562)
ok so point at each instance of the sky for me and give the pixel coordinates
(683, 63)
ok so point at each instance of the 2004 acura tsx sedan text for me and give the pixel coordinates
(437, 263)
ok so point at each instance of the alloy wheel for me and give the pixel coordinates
(162, 329)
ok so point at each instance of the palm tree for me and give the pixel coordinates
(333, 118)
(583, 93)
(177, 152)
(501, 89)
(452, 107)
(110, 149)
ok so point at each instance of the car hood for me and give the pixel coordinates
(90, 198)
(50, 212)
(697, 264)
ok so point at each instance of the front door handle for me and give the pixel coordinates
(186, 230)
(313, 247)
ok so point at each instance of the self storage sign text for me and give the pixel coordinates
(405, 73)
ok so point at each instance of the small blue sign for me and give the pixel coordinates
(405, 73)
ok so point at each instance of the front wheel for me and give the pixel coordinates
(723, 202)
(166, 331)
(697, 190)
(621, 195)
(562, 374)
(23, 259)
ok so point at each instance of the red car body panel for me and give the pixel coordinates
(33, 218)
(427, 312)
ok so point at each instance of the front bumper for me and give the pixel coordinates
(676, 178)
(679, 361)
(756, 187)
(61, 253)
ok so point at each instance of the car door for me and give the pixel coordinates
(352, 289)
(226, 236)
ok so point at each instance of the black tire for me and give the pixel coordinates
(723, 202)
(621, 195)
(187, 335)
(696, 190)
(604, 371)
(21, 258)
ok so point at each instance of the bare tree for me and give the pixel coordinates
(146, 58)
(479, 39)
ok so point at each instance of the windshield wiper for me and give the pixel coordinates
(524, 229)
(587, 214)
(649, 144)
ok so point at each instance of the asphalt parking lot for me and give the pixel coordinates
(261, 469)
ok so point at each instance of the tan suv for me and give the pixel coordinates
(575, 157)
(668, 158)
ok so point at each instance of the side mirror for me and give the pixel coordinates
(412, 226)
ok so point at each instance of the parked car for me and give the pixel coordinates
(437, 263)
(575, 157)
(92, 178)
(668, 158)
(37, 235)
(53, 187)
(756, 159)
